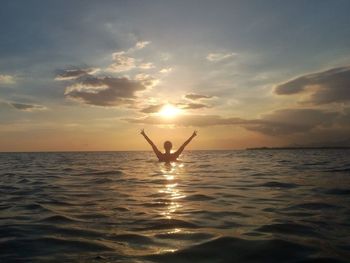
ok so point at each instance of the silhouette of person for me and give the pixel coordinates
(168, 156)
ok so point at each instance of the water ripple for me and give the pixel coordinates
(213, 206)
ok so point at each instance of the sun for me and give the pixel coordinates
(169, 111)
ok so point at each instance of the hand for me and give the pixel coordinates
(143, 132)
(194, 134)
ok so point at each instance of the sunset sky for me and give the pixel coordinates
(88, 75)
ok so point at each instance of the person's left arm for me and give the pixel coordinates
(180, 150)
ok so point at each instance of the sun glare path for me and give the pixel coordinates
(169, 111)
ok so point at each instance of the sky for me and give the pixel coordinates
(88, 75)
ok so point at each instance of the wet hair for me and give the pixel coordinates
(168, 145)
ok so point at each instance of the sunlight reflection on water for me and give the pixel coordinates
(170, 173)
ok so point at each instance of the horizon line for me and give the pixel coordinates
(236, 149)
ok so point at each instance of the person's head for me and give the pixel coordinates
(167, 146)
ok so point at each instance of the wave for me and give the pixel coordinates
(158, 181)
(347, 169)
(288, 228)
(185, 236)
(36, 208)
(198, 197)
(9, 188)
(108, 172)
(5, 207)
(230, 249)
(23, 181)
(93, 216)
(218, 214)
(132, 238)
(163, 224)
(205, 165)
(48, 229)
(338, 191)
(122, 209)
(312, 206)
(113, 207)
(59, 219)
(316, 163)
(101, 181)
(8, 174)
(31, 247)
(278, 185)
(157, 204)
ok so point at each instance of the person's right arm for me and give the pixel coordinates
(154, 147)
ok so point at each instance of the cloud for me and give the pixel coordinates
(147, 65)
(141, 44)
(7, 79)
(323, 87)
(278, 123)
(165, 70)
(193, 96)
(344, 118)
(192, 106)
(69, 74)
(104, 91)
(189, 120)
(165, 56)
(292, 121)
(152, 108)
(147, 80)
(122, 62)
(185, 106)
(26, 107)
(216, 57)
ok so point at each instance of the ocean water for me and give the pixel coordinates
(212, 206)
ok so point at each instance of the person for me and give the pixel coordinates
(168, 156)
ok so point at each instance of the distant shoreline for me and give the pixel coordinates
(302, 148)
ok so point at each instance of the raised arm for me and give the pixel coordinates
(179, 151)
(154, 147)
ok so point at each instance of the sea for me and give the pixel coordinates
(210, 206)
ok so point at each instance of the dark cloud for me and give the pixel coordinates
(292, 121)
(334, 137)
(328, 86)
(26, 107)
(344, 118)
(69, 74)
(104, 91)
(193, 96)
(152, 108)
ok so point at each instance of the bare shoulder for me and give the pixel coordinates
(160, 156)
(175, 154)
